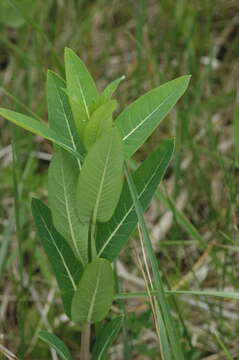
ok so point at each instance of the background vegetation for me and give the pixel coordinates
(194, 218)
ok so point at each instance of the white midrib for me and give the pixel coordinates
(60, 254)
(68, 215)
(101, 183)
(82, 93)
(129, 211)
(147, 117)
(68, 125)
(106, 343)
(94, 297)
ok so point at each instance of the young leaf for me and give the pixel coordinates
(59, 111)
(99, 123)
(113, 235)
(66, 267)
(112, 87)
(56, 343)
(80, 87)
(100, 180)
(94, 294)
(106, 338)
(138, 120)
(62, 184)
(38, 128)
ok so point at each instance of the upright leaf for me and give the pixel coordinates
(59, 111)
(95, 293)
(99, 123)
(38, 128)
(81, 88)
(138, 120)
(66, 267)
(62, 185)
(112, 87)
(56, 343)
(112, 236)
(106, 337)
(100, 180)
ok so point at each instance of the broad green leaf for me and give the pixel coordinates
(59, 111)
(138, 120)
(113, 235)
(38, 128)
(95, 292)
(101, 178)
(62, 185)
(66, 267)
(56, 343)
(112, 87)
(106, 338)
(81, 88)
(100, 121)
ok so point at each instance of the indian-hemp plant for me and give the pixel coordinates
(95, 203)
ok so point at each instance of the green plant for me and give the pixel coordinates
(93, 209)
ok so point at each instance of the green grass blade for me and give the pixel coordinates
(221, 294)
(95, 292)
(63, 177)
(113, 235)
(158, 284)
(106, 338)
(66, 267)
(101, 178)
(138, 120)
(56, 343)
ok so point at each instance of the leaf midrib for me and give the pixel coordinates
(148, 116)
(95, 212)
(131, 208)
(94, 296)
(59, 252)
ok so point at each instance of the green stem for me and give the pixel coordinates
(85, 343)
(158, 283)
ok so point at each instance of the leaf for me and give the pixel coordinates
(100, 121)
(106, 338)
(66, 267)
(94, 295)
(38, 128)
(112, 87)
(112, 236)
(62, 184)
(101, 177)
(59, 111)
(56, 343)
(138, 120)
(80, 87)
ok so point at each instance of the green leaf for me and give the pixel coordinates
(56, 343)
(62, 184)
(101, 177)
(106, 338)
(38, 128)
(59, 111)
(66, 267)
(94, 295)
(112, 236)
(112, 87)
(100, 121)
(138, 120)
(81, 88)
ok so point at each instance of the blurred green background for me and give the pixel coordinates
(194, 218)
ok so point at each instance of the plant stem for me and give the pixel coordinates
(85, 343)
